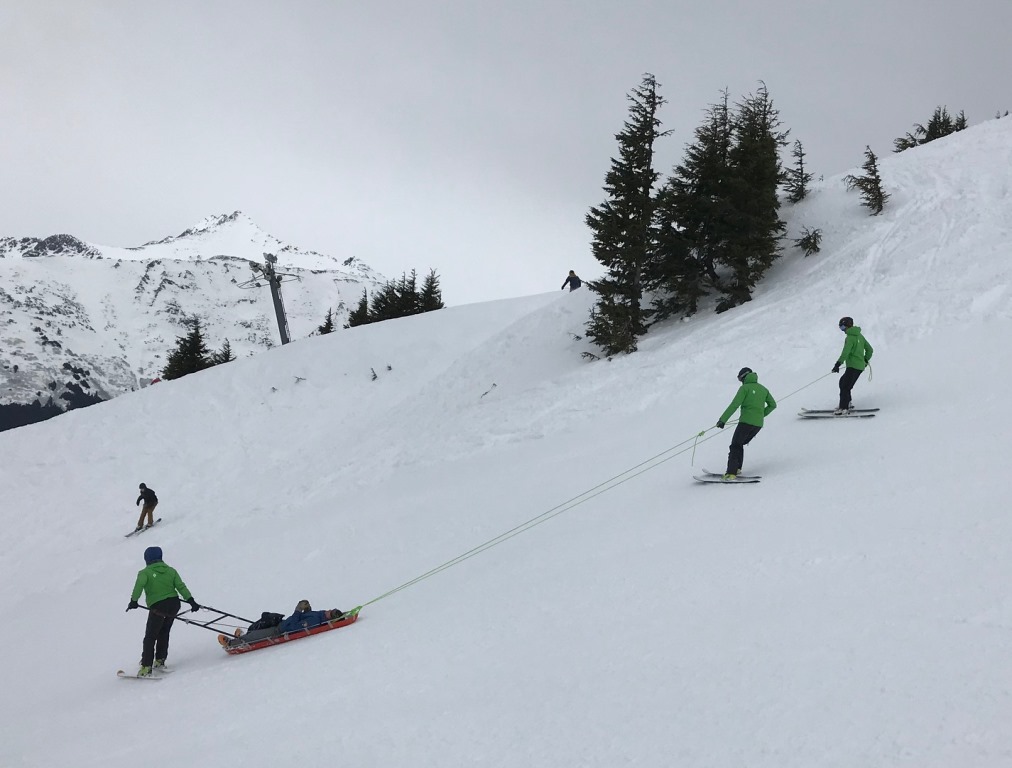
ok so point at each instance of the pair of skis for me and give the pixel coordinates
(829, 413)
(805, 413)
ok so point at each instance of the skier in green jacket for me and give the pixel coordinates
(160, 584)
(756, 404)
(855, 356)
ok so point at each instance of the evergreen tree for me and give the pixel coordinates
(873, 196)
(798, 178)
(406, 295)
(692, 216)
(431, 297)
(755, 228)
(810, 241)
(190, 354)
(941, 124)
(905, 142)
(223, 355)
(671, 272)
(622, 227)
(384, 303)
(328, 323)
(359, 315)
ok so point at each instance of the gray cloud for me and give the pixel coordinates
(466, 136)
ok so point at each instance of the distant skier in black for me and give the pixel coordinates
(572, 281)
(150, 502)
(855, 356)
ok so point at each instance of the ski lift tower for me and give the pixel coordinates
(268, 272)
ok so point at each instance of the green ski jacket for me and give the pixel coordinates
(857, 351)
(755, 402)
(159, 582)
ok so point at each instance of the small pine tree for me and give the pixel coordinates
(941, 124)
(810, 241)
(752, 237)
(905, 142)
(431, 297)
(359, 315)
(406, 293)
(384, 303)
(798, 178)
(691, 217)
(223, 355)
(190, 354)
(328, 323)
(623, 226)
(873, 196)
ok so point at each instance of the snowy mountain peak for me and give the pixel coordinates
(89, 322)
(237, 223)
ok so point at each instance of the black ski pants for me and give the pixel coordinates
(847, 382)
(743, 435)
(156, 634)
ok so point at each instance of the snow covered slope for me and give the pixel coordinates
(850, 609)
(98, 320)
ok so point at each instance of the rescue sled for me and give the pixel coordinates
(258, 639)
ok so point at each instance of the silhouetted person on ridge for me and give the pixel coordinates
(572, 281)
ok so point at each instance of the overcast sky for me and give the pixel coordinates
(469, 136)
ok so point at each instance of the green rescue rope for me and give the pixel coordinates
(612, 482)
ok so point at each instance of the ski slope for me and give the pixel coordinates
(850, 609)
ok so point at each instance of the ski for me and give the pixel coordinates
(833, 415)
(124, 676)
(135, 531)
(708, 473)
(833, 410)
(720, 479)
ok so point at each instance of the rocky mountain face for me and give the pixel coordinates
(81, 323)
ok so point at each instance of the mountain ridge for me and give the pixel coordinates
(87, 322)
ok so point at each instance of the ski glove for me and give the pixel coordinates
(133, 604)
(720, 425)
(836, 368)
(194, 607)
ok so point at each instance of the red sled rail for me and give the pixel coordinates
(288, 637)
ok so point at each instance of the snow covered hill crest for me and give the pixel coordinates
(86, 322)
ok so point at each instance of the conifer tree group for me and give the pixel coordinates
(713, 227)
(941, 124)
(398, 298)
(192, 355)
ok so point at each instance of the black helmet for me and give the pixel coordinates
(142, 486)
(846, 322)
(743, 373)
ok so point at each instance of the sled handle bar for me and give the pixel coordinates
(202, 624)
